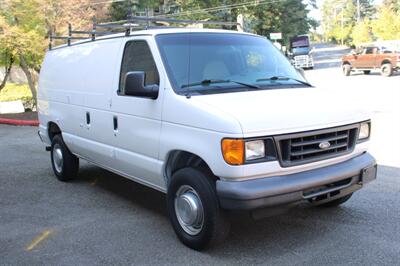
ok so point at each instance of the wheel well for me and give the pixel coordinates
(181, 159)
(53, 130)
(385, 62)
(346, 63)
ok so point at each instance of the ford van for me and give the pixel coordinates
(218, 120)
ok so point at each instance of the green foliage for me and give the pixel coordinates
(288, 16)
(362, 33)
(340, 24)
(120, 10)
(23, 27)
(13, 92)
(339, 17)
(392, 4)
(59, 13)
(387, 25)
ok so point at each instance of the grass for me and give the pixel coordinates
(13, 92)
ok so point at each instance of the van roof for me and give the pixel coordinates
(153, 32)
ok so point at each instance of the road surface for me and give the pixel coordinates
(102, 218)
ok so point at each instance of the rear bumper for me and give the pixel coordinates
(323, 184)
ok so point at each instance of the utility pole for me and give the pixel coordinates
(341, 25)
(240, 21)
(358, 11)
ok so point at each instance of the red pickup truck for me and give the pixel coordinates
(371, 58)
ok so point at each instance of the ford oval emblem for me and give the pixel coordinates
(324, 145)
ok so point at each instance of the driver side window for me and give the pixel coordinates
(369, 50)
(138, 57)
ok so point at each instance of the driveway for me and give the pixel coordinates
(102, 218)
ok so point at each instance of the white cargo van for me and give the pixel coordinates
(218, 120)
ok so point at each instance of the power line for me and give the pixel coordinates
(106, 2)
(204, 10)
(224, 7)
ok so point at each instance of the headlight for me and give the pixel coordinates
(240, 151)
(365, 130)
(254, 150)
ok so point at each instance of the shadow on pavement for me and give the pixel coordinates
(374, 73)
(124, 188)
(274, 235)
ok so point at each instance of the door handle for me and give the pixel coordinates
(87, 119)
(115, 123)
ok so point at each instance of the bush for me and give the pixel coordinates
(14, 92)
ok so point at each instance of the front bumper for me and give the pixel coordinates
(322, 184)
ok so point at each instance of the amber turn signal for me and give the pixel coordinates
(233, 151)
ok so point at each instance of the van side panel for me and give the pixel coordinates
(76, 81)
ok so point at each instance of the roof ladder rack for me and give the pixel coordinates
(131, 24)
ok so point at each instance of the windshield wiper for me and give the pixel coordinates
(206, 82)
(284, 78)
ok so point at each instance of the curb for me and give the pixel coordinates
(16, 122)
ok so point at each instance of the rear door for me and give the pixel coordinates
(136, 121)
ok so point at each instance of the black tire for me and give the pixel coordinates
(346, 69)
(367, 72)
(215, 225)
(386, 70)
(336, 202)
(69, 166)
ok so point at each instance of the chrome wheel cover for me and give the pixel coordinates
(189, 210)
(58, 160)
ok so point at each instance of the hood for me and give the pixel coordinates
(279, 111)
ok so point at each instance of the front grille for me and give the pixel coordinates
(311, 146)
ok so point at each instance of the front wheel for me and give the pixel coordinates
(194, 210)
(346, 69)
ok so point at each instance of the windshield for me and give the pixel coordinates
(216, 62)
(301, 50)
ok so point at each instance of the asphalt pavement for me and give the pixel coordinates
(103, 219)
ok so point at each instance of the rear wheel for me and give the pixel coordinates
(366, 72)
(346, 69)
(193, 209)
(65, 164)
(336, 202)
(386, 70)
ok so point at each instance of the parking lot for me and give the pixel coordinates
(102, 218)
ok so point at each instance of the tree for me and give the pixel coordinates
(6, 57)
(22, 42)
(288, 17)
(392, 4)
(25, 25)
(339, 17)
(121, 10)
(387, 25)
(367, 9)
(362, 32)
(59, 13)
